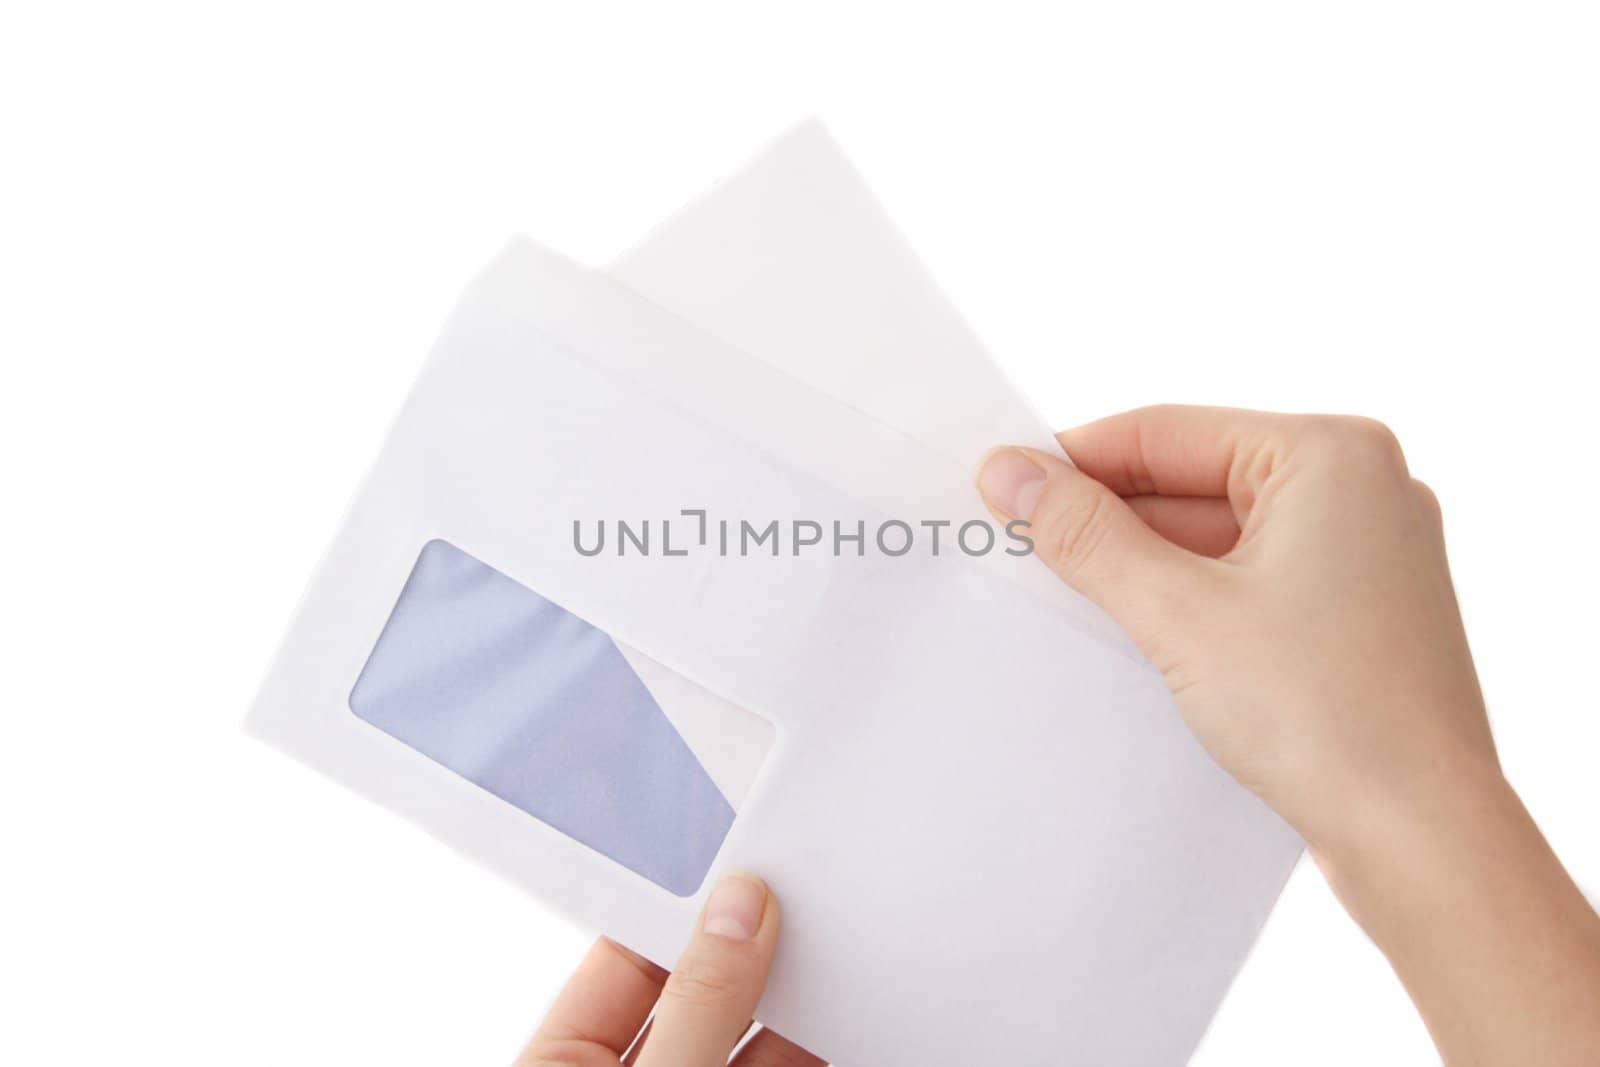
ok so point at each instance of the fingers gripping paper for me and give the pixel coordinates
(979, 805)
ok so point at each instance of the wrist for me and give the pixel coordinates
(1456, 886)
(1392, 840)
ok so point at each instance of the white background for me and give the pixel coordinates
(228, 234)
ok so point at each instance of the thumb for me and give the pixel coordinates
(1088, 535)
(709, 997)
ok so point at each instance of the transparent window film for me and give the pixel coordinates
(542, 709)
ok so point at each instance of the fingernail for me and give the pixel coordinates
(735, 908)
(1012, 482)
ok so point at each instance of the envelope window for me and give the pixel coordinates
(521, 697)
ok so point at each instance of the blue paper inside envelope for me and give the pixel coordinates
(525, 699)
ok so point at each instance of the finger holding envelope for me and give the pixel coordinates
(702, 1009)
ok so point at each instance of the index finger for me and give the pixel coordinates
(1173, 450)
(604, 1003)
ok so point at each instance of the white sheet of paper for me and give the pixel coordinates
(794, 261)
(977, 809)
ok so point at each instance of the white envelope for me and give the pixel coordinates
(973, 800)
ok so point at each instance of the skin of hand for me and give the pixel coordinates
(1287, 576)
(702, 1008)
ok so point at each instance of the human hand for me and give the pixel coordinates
(702, 1009)
(1287, 576)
